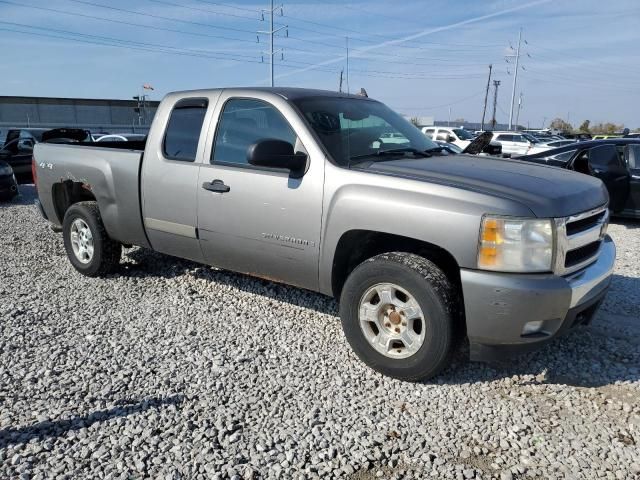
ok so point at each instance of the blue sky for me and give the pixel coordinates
(580, 60)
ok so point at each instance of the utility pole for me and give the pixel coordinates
(519, 107)
(340, 84)
(486, 96)
(515, 78)
(449, 121)
(496, 84)
(347, 39)
(271, 32)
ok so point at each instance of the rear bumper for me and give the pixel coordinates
(508, 314)
(8, 186)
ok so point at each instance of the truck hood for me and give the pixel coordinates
(546, 191)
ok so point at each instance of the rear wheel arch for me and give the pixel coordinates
(65, 194)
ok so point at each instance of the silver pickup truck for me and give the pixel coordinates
(420, 247)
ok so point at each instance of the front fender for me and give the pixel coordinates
(442, 215)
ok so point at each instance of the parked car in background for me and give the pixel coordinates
(559, 143)
(606, 136)
(294, 185)
(615, 161)
(32, 133)
(458, 136)
(517, 143)
(461, 138)
(8, 182)
(121, 137)
(18, 153)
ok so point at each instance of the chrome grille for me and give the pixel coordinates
(579, 238)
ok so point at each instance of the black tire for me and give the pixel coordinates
(106, 252)
(435, 295)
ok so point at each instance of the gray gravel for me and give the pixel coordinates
(173, 370)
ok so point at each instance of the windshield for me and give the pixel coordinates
(353, 128)
(463, 134)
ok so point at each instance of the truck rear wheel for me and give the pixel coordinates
(89, 248)
(397, 311)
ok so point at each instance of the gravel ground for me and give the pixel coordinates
(174, 370)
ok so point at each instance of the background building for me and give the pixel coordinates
(93, 114)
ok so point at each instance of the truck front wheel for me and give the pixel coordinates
(89, 248)
(397, 311)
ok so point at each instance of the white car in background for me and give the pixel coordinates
(458, 136)
(518, 143)
(393, 137)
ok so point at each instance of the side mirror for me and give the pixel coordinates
(274, 153)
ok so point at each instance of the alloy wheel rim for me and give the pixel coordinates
(391, 320)
(81, 241)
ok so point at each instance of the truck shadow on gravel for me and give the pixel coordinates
(587, 357)
(147, 263)
(628, 223)
(57, 428)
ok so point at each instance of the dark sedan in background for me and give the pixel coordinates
(616, 161)
(8, 183)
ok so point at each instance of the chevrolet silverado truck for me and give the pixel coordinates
(298, 186)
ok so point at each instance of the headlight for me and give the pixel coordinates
(515, 244)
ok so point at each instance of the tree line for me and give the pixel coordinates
(586, 127)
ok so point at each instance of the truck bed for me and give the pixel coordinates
(109, 172)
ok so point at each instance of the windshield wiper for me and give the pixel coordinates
(392, 151)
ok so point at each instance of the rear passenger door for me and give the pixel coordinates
(170, 177)
(263, 221)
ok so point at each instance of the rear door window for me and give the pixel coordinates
(183, 130)
(505, 138)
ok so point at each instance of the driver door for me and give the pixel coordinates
(260, 221)
(606, 164)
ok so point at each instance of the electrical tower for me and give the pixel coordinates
(496, 84)
(515, 76)
(271, 32)
(486, 95)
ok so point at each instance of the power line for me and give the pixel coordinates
(235, 7)
(181, 5)
(151, 15)
(122, 22)
(432, 107)
(404, 22)
(117, 40)
(158, 48)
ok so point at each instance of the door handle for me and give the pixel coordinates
(217, 186)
